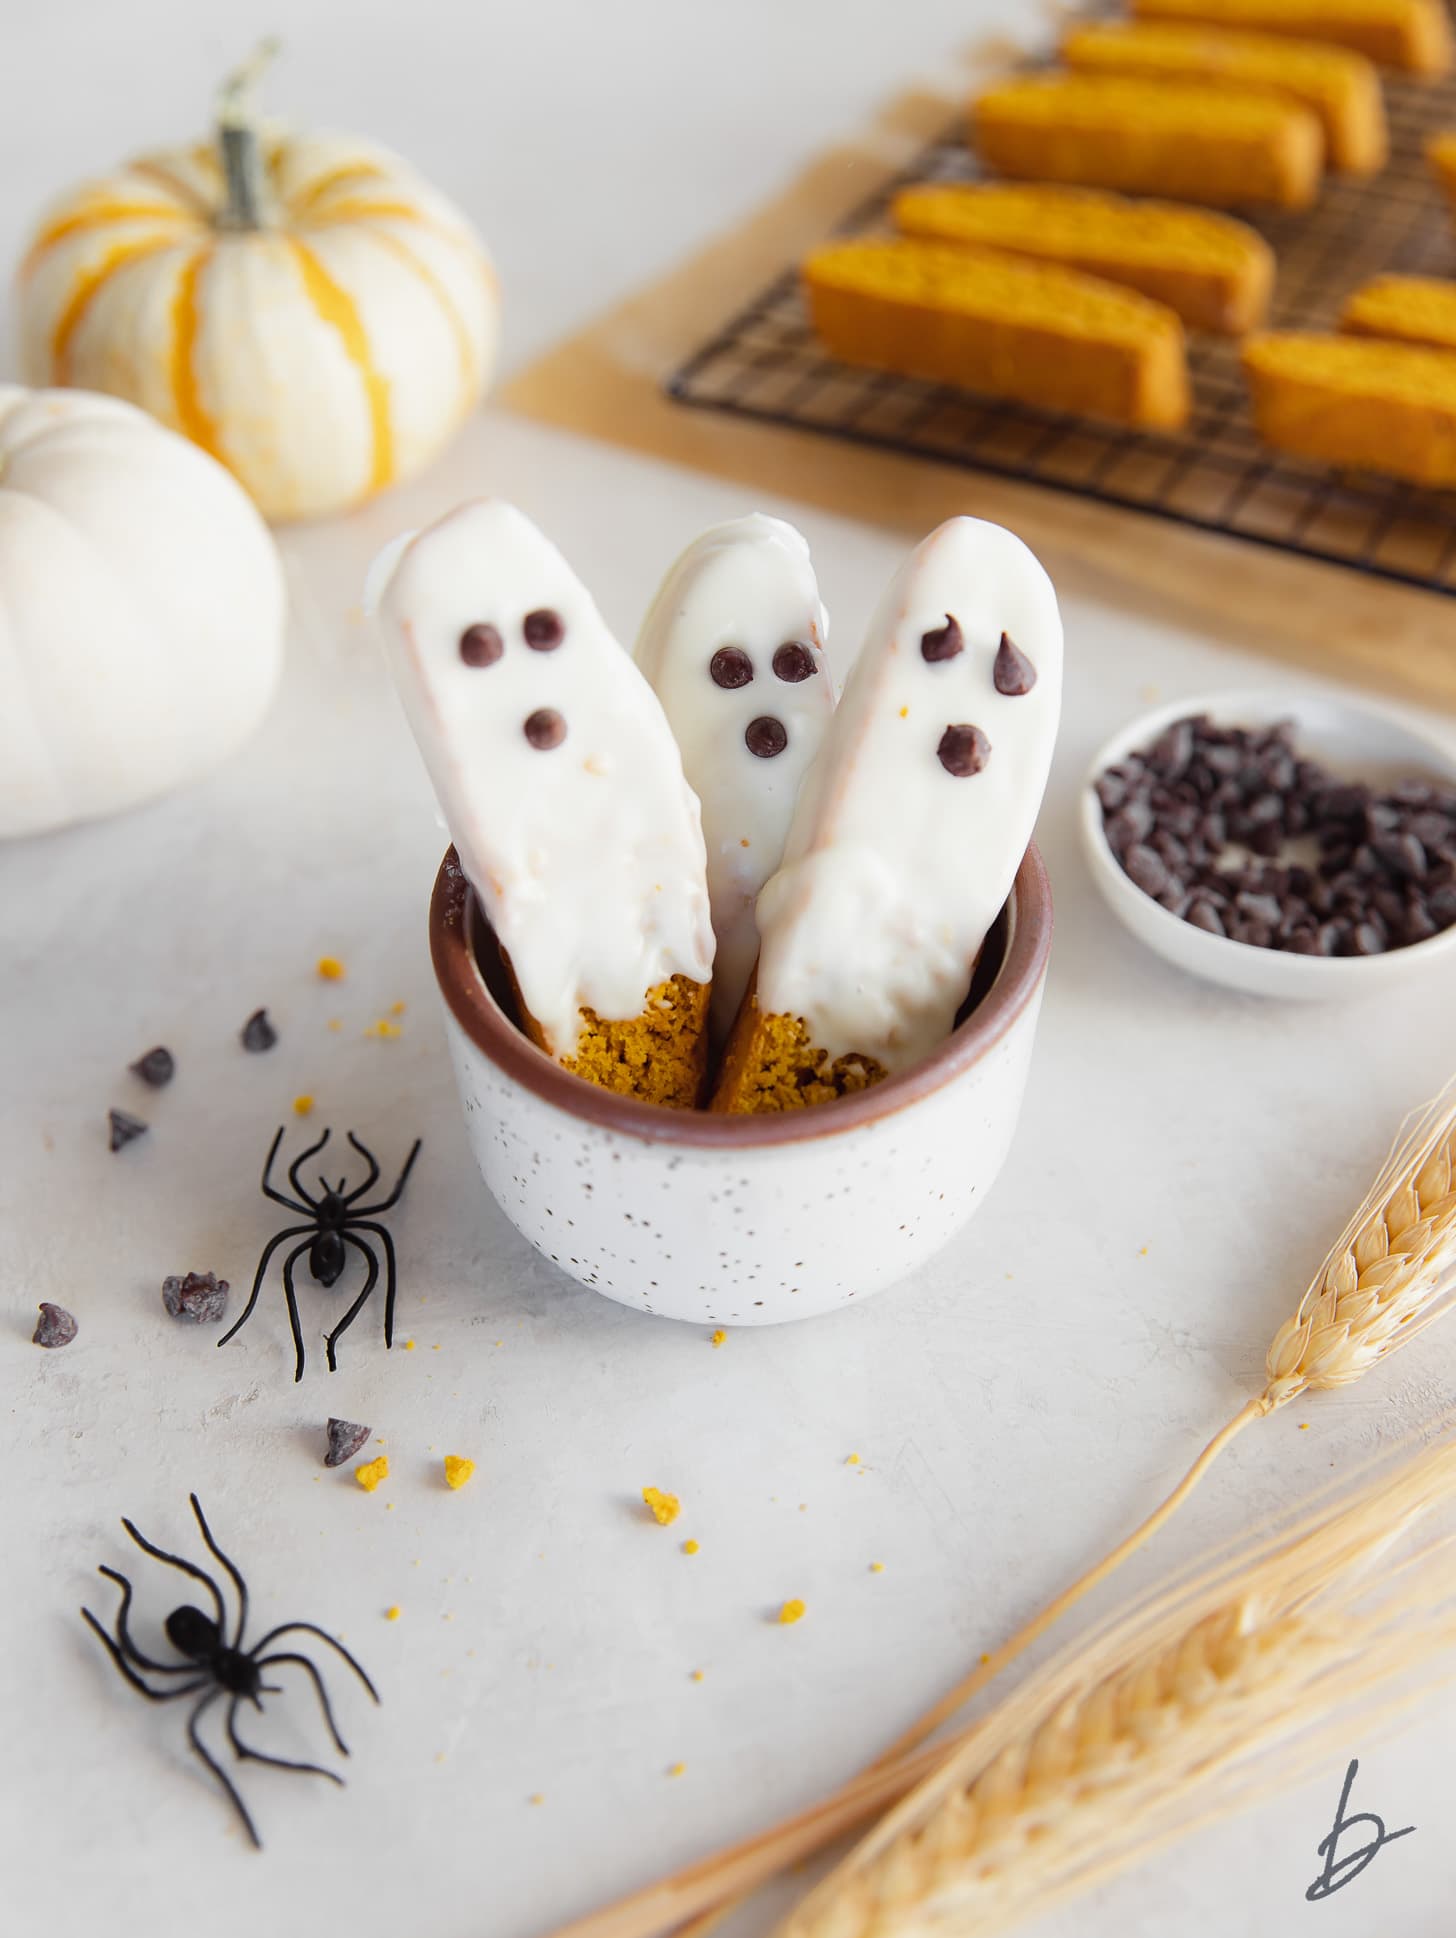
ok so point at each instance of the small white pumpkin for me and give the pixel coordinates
(141, 610)
(307, 309)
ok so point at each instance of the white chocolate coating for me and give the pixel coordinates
(747, 584)
(895, 868)
(587, 855)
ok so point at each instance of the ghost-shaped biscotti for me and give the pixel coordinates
(909, 829)
(734, 645)
(564, 793)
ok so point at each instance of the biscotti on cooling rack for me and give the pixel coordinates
(1357, 401)
(1338, 85)
(1027, 330)
(1216, 273)
(1404, 309)
(1218, 145)
(1413, 34)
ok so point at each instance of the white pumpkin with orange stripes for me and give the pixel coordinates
(309, 310)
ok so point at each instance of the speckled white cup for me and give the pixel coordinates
(738, 1220)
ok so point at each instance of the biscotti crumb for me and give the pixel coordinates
(331, 969)
(690, 1547)
(665, 1508)
(372, 1472)
(877, 1567)
(392, 1613)
(676, 1769)
(791, 1612)
(302, 1105)
(718, 1337)
(457, 1470)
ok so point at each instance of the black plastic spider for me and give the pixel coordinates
(336, 1218)
(216, 1666)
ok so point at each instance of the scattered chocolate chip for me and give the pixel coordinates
(156, 1068)
(545, 729)
(1013, 674)
(258, 1034)
(963, 750)
(197, 1298)
(943, 643)
(544, 630)
(730, 667)
(481, 645)
(345, 1440)
(765, 736)
(56, 1327)
(124, 1128)
(793, 662)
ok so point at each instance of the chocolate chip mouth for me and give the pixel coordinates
(730, 667)
(1232, 830)
(481, 645)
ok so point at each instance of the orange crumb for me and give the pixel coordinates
(851, 1460)
(984, 1659)
(396, 1009)
(690, 1547)
(372, 1472)
(697, 1675)
(904, 713)
(1142, 1251)
(409, 1345)
(383, 1028)
(435, 1348)
(302, 1105)
(677, 1769)
(877, 1567)
(791, 1612)
(331, 969)
(336, 1022)
(537, 1799)
(457, 1470)
(392, 1614)
(1304, 1426)
(389, 1507)
(665, 1507)
(719, 1336)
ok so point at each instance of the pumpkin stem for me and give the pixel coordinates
(237, 133)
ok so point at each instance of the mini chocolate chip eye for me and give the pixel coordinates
(544, 630)
(794, 662)
(963, 750)
(765, 736)
(1013, 672)
(545, 729)
(481, 645)
(944, 642)
(730, 666)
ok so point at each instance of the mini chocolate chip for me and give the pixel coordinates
(1146, 870)
(155, 1068)
(793, 662)
(1402, 854)
(1203, 915)
(258, 1033)
(963, 750)
(765, 736)
(1418, 926)
(124, 1128)
(346, 1437)
(1129, 824)
(730, 667)
(1013, 674)
(197, 1298)
(943, 643)
(1367, 940)
(481, 645)
(544, 630)
(1173, 748)
(55, 1327)
(1111, 790)
(545, 729)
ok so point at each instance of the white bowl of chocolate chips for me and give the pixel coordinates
(1283, 844)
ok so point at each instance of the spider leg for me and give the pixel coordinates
(123, 1634)
(373, 1177)
(247, 1754)
(298, 1164)
(142, 1688)
(289, 1294)
(323, 1694)
(186, 1567)
(278, 1238)
(390, 1273)
(310, 1628)
(387, 1204)
(268, 1191)
(354, 1310)
(217, 1770)
(217, 1553)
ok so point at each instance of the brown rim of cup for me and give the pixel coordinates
(454, 916)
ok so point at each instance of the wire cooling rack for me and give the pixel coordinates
(1215, 473)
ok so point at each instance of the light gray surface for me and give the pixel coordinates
(1184, 1157)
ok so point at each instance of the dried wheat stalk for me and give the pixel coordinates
(1391, 1272)
(1177, 1713)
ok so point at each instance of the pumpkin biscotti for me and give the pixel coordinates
(1413, 34)
(1335, 83)
(564, 791)
(1218, 145)
(1216, 273)
(1351, 400)
(1031, 331)
(1404, 309)
(910, 827)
